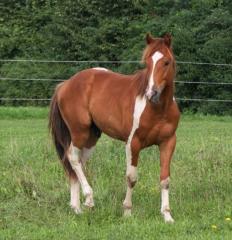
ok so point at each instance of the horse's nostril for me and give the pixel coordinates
(155, 96)
(155, 93)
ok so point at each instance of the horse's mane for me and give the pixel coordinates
(141, 79)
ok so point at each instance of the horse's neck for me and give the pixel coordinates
(141, 81)
(166, 97)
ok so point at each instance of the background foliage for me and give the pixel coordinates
(115, 30)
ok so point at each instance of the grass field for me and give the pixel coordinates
(34, 194)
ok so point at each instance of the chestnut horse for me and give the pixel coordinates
(138, 109)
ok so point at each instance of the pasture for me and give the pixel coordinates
(34, 194)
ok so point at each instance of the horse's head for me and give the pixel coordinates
(160, 63)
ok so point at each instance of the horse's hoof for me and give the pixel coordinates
(76, 210)
(127, 213)
(169, 219)
(89, 203)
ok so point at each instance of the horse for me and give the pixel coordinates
(138, 109)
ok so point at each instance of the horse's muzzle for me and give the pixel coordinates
(155, 96)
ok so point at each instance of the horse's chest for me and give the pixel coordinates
(162, 131)
(156, 126)
(155, 133)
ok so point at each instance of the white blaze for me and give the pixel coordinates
(155, 58)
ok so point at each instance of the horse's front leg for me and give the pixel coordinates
(166, 151)
(132, 153)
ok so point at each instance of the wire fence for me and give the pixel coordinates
(60, 80)
(31, 79)
(110, 62)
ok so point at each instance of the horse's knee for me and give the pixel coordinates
(131, 176)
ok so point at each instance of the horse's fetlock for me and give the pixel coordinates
(88, 191)
(165, 183)
(127, 205)
(131, 182)
(131, 175)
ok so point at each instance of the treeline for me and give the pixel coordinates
(115, 30)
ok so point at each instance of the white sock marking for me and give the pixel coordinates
(75, 195)
(74, 157)
(164, 200)
(155, 58)
(165, 210)
(127, 204)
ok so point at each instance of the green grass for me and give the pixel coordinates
(23, 112)
(34, 194)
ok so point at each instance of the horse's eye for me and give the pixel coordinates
(166, 63)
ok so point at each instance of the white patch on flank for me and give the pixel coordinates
(101, 69)
(155, 58)
(131, 172)
(165, 209)
(75, 162)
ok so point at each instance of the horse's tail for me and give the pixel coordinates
(60, 134)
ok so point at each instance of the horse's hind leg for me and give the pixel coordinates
(85, 154)
(75, 193)
(83, 144)
(89, 147)
(75, 160)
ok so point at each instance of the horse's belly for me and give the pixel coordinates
(110, 127)
(110, 120)
(111, 113)
(111, 132)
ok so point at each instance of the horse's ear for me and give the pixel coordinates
(167, 39)
(149, 38)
